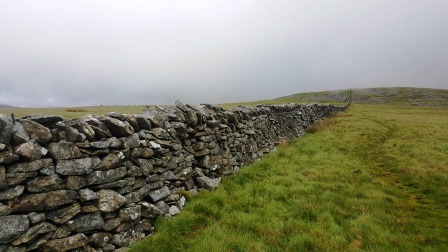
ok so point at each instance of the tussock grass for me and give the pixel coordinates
(372, 179)
(75, 110)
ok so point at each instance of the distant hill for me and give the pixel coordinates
(6, 106)
(397, 95)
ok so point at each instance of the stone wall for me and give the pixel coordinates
(99, 183)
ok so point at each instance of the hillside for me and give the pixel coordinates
(399, 96)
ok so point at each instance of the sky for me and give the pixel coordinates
(116, 52)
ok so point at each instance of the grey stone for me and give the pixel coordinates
(30, 166)
(101, 177)
(61, 232)
(100, 144)
(112, 224)
(132, 141)
(44, 201)
(163, 207)
(100, 239)
(37, 131)
(149, 210)
(87, 195)
(62, 215)
(117, 127)
(86, 222)
(45, 184)
(6, 129)
(115, 143)
(41, 228)
(208, 183)
(63, 150)
(145, 165)
(19, 135)
(83, 127)
(36, 217)
(12, 226)
(68, 243)
(30, 150)
(130, 214)
(109, 248)
(143, 123)
(174, 210)
(11, 192)
(109, 200)
(120, 185)
(159, 194)
(77, 166)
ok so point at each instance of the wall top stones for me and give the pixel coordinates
(98, 183)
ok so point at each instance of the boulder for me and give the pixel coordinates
(30, 150)
(37, 131)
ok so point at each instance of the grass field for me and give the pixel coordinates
(374, 178)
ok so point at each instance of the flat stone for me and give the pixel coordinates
(143, 123)
(45, 119)
(17, 178)
(159, 194)
(83, 127)
(117, 127)
(45, 184)
(11, 192)
(67, 243)
(8, 157)
(101, 177)
(44, 201)
(62, 215)
(12, 226)
(120, 185)
(63, 150)
(161, 133)
(30, 166)
(30, 150)
(6, 129)
(86, 222)
(61, 232)
(112, 224)
(110, 200)
(41, 228)
(77, 166)
(37, 131)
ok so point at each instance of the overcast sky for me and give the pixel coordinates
(86, 52)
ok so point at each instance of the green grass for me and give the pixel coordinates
(373, 179)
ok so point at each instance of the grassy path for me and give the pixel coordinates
(372, 179)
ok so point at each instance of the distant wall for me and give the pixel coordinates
(99, 183)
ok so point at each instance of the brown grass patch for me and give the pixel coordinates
(75, 110)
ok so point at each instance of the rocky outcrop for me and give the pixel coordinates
(99, 183)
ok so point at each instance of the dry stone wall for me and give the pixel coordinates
(99, 183)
